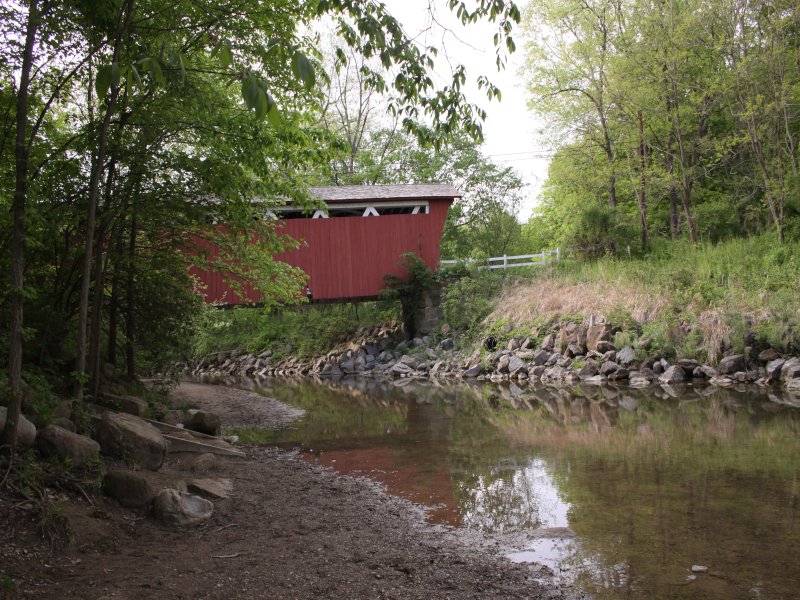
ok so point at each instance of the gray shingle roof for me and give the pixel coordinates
(345, 193)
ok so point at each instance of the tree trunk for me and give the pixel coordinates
(640, 193)
(130, 304)
(9, 434)
(94, 194)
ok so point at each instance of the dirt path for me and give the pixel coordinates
(291, 530)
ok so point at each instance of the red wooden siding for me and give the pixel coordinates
(347, 257)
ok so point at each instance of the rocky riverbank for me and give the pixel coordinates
(284, 528)
(568, 353)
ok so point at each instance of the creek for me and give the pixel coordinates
(617, 491)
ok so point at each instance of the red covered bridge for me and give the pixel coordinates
(347, 247)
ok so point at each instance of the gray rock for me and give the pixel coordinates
(180, 508)
(610, 356)
(528, 344)
(708, 371)
(128, 488)
(203, 463)
(732, 364)
(132, 405)
(626, 356)
(204, 422)
(64, 423)
(502, 364)
(790, 369)
(674, 374)
(768, 355)
(541, 357)
(589, 369)
(604, 346)
(26, 431)
(596, 379)
(688, 365)
(549, 342)
(446, 344)
(640, 379)
(609, 367)
(474, 371)
(536, 372)
(774, 368)
(596, 334)
(53, 440)
(216, 489)
(401, 368)
(619, 375)
(513, 344)
(515, 365)
(132, 439)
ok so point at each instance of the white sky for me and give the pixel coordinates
(510, 128)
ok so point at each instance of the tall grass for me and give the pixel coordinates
(715, 292)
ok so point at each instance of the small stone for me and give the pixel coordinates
(180, 508)
(699, 569)
(790, 369)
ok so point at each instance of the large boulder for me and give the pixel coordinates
(790, 369)
(180, 508)
(53, 440)
(26, 431)
(132, 439)
(204, 422)
(129, 488)
(732, 364)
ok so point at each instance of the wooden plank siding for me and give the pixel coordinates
(347, 257)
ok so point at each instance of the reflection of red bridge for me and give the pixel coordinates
(348, 247)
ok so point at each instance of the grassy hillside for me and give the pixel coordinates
(692, 300)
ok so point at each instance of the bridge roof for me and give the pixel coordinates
(378, 193)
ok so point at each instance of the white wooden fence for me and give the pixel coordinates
(508, 262)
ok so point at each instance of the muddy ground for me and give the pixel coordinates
(290, 530)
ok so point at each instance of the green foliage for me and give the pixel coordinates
(409, 290)
(469, 299)
(301, 331)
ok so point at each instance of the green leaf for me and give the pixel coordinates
(136, 77)
(304, 70)
(103, 81)
(225, 55)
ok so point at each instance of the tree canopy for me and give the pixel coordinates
(129, 127)
(671, 118)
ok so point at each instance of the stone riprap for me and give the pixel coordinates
(568, 353)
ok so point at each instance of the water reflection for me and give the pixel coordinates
(619, 490)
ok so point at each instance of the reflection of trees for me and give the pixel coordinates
(653, 484)
(512, 497)
(657, 485)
